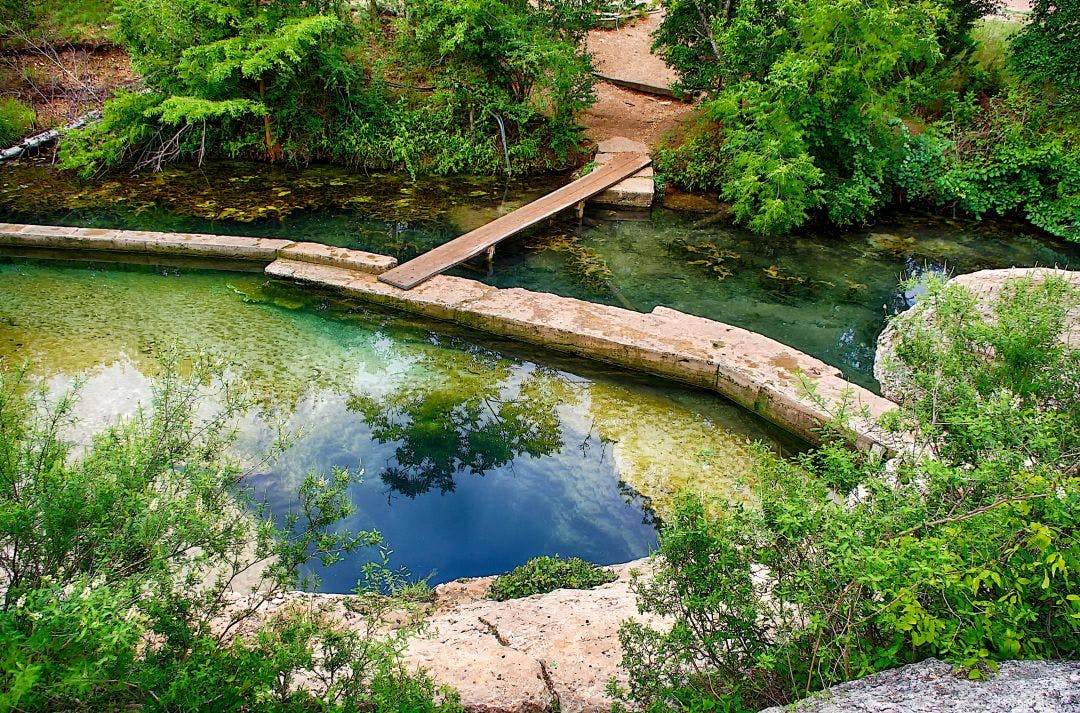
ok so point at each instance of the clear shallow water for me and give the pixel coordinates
(476, 455)
(825, 294)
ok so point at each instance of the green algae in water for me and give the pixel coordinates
(827, 293)
(475, 458)
(380, 212)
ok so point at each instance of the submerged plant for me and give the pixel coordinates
(586, 266)
(710, 257)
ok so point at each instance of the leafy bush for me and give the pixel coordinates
(1047, 47)
(117, 559)
(16, 121)
(968, 553)
(304, 81)
(1002, 157)
(835, 109)
(805, 123)
(546, 574)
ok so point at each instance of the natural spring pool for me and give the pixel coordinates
(824, 293)
(477, 453)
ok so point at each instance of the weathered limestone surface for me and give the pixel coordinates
(753, 370)
(551, 651)
(138, 241)
(634, 192)
(933, 687)
(547, 652)
(986, 285)
(339, 257)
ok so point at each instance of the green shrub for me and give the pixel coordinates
(969, 553)
(1045, 51)
(16, 121)
(834, 109)
(117, 562)
(546, 574)
(307, 81)
(1004, 156)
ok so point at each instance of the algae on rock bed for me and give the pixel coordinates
(453, 409)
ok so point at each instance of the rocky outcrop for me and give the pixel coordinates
(986, 285)
(934, 687)
(553, 651)
(547, 652)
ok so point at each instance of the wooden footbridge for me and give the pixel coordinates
(484, 238)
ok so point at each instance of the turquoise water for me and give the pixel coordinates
(476, 454)
(825, 293)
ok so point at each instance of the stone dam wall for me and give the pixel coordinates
(755, 371)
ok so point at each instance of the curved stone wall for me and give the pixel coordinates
(756, 372)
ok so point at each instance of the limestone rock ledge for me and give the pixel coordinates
(547, 652)
(986, 285)
(756, 372)
(933, 687)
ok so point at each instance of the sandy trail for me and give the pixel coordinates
(625, 53)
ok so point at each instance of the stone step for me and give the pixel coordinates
(320, 254)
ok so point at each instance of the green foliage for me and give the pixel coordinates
(1003, 158)
(117, 560)
(16, 120)
(546, 574)
(969, 552)
(714, 44)
(834, 109)
(807, 123)
(16, 15)
(304, 80)
(1046, 49)
(56, 21)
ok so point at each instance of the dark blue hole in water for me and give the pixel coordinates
(476, 511)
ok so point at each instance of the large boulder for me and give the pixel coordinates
(934, 687)
(986, 285)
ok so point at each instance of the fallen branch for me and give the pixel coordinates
(46, 137)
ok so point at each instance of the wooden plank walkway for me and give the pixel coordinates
(471, 244)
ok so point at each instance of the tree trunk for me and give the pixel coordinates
(273, 151)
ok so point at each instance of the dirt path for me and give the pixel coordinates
(625, 53)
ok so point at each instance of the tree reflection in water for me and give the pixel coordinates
(473, 416)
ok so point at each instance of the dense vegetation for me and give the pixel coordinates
(432, 87)
(836, 109)
(16, 120)
(546, 574)
(852, 565)
(55, 21)
(116, 561)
